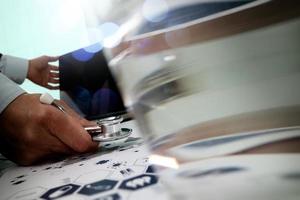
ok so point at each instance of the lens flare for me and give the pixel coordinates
(82, 55)
(109, 32)
(94, 48)
(155, 10)
(163, 161)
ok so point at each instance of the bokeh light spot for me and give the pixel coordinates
(108, 29)
(82, 55)
(110, 34)
(94, 48)
(155, 10)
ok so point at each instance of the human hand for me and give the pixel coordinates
(43, 73)
(31, 131)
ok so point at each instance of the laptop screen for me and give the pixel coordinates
(87, 85)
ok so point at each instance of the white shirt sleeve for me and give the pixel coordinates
(9, 91)
(14, 68)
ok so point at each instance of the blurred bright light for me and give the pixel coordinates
(112, 41)
(96, 11)
(155, 10)
(82, 55)
(108, 28)
(67, 16)
(164, 161)
(129, 25)
(169, 58)
(109, 32)
(94, 48)
(95, 35)
(105, 35)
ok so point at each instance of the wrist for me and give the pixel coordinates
(30, 71)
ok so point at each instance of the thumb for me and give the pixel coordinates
(86, 123)
(52, 58)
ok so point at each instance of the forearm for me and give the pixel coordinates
(14, 68)
(8, 92)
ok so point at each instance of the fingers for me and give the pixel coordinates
(31, 140)
(70, 132)
(52, 58)
(53, 71)
(53, 80)
(52, 87)
(58, 147)
(74, 114)
(49, 144)
(86, 123)
(54, 68)
(70, 111)
(54, 75)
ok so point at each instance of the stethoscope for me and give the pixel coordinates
(108, 131)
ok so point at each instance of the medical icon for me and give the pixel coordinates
(59, 192)
(139, 182)
(98, 187)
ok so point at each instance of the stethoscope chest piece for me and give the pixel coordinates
(110, 131)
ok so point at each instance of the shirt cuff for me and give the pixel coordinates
(15, 68)
(9, 91)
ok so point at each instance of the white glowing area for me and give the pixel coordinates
(109, 31)
(94, 48)
(104, 35)
(155, 10)
(169, 58)
(163, 161)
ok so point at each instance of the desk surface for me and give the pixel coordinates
(122, 173)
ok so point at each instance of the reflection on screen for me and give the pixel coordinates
(87, 85)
